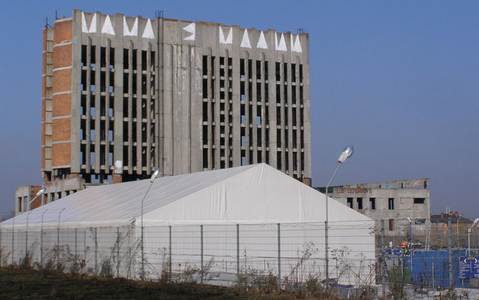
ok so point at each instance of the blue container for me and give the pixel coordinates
(430, 268)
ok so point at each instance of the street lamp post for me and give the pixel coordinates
(41, 238)
(469, 230)
(58, 235)
(38, 194)
(347, 152)
(152, 179)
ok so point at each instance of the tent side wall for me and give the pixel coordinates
(96, 250)
(294, 251)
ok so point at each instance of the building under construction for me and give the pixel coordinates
(176, 95)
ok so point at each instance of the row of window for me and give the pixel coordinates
(213, 107)
(392, 227)
(372, 203)
(137, 82)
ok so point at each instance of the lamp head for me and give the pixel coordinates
(475, 222)
(41, 192)
(118, 166)
(347, 153)
(154, 175)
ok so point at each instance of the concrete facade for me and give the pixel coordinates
(390, 203)
(23, 196)
(176, 95)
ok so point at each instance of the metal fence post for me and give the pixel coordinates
(130, 259)
(169, 252)
(118, 252)
(96, 250)
(383, 266)
(84, 245)
(76, 245)
(237, 251)
(433, 269)
(1, 249)
(57, 256)
(41, 246)
(13, 242)
(449, 252)
(201, 251)
(279, 255)
(26, 242)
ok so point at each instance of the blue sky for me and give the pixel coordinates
(397, 79)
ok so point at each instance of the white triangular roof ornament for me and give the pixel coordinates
(191, 28)
(245, 43)
(229, 38)
(130, 32)
(296, 44)
(148, 32)
(107, 27)
(262, 41)
(92, 24)
(281, 46)
(84, 26)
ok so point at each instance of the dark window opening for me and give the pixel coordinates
(300, 73)
(143, 60)
(295, 161)
(293, 72)
(134, 59)
(278, 93)
(372, 203)
(250, 68)
(93, 55)
(112, 56)
(102, 57)
(301, 98)
(278, 137)
(258, 69)
(350, 202)
(359, 203)
(83, 55)
(278, 72)
(205, 111)
(126, 61)
(419, 200)
(391, 224)
(391, 203)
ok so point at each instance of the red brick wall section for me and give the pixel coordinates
(61, 106)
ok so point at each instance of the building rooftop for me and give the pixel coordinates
(419, 183)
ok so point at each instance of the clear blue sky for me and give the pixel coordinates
(397, 79)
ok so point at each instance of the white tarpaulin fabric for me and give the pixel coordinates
(249, 220)
(250, 194)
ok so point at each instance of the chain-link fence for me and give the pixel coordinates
(285, 255)
(424, 258)
(288, 253)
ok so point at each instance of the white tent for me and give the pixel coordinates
(238, 219)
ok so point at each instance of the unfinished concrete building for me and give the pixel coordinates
(392, 204)
(175, 95)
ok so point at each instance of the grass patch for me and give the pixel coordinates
(31, 284)
(21, 283)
